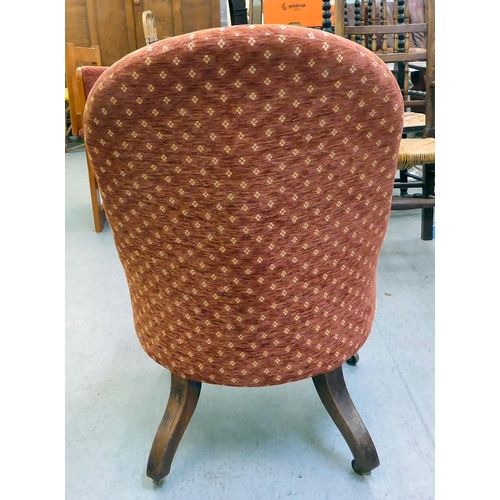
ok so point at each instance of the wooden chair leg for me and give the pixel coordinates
(428, 173)
(181, 404)
(97, 209)
(403, 178)
(338, 403)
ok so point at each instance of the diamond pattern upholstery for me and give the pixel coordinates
(247, 175)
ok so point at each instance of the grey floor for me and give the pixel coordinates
(267, 443)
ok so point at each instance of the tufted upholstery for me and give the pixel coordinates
(247, 175)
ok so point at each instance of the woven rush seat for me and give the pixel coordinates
(412, 54)
(413, 120)
(416, 152)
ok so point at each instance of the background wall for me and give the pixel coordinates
(116, 25)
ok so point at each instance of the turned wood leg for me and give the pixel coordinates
(403, 178)
(338, 403)
(181, 404)
(428, 173)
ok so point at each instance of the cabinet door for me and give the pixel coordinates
(175, 17)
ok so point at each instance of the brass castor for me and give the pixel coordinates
(358, 470)
(159, 483)
(353, 360)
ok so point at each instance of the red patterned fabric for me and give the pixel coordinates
(90, 75)
(247, 175)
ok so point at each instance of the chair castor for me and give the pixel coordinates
(353, 360)
(358, 470)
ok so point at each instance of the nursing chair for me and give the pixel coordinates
(247, 175)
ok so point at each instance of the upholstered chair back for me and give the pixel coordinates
(247, 175)
(89, 75)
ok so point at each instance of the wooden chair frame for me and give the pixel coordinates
(365, 32)
(74, 57)
(331, 388)
(149, 27)
(98, 213)
(427, 179)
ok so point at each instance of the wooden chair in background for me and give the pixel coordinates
(238, 12)
(149, 27)
(74, 57)
(255, 12)
(395, 31)
(83, 67)
(386, 29)
(421, 151)
(86, 76)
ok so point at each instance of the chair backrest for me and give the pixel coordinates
(381, 25)
(78, 56)
(430, 73)
(247, 175)
(86, 76)
(396, 31)
(149, 27)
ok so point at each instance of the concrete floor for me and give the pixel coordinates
(243, 444)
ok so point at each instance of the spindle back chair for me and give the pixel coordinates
(401, 33)
(395, 31)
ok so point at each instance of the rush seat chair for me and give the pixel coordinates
(402, 33)
(247, 175)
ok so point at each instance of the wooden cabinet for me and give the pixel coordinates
(116, 25)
